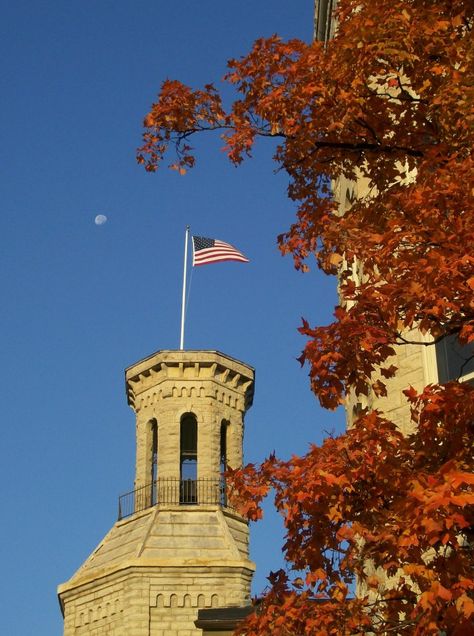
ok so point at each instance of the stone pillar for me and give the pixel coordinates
(234, 444)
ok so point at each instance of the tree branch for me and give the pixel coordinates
(425, 343)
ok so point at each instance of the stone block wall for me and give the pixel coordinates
(411, 361)
(153, 601)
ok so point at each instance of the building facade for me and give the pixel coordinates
(417, 364)
(420, 361)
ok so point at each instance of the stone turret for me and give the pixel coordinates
(178, 546)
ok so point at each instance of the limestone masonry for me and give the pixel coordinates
(179, 546)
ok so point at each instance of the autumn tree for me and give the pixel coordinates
(388, 101)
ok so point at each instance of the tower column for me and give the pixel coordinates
(144, 454)
(178, 546)
(234, 444)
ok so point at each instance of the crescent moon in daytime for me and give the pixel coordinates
(100, 219)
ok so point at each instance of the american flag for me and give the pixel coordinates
(206, 250)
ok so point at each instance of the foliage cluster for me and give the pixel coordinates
(386, 103)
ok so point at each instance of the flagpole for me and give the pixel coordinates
(183, 300)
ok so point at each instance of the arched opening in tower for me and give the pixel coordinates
(154, 461)
(223, 462)
(188, 459)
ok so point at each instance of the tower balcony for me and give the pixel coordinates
(169, 491)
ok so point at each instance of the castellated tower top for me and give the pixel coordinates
(187, 373)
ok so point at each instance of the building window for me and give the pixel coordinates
(323, 19)
(188, 459)
(454, 360)
(223, 462)
(154, 460)
(223, 447)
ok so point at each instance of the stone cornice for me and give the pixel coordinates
(153, 567)
(181, 370)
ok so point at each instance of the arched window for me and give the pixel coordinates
(154, 460)
(223, 447)
(188, 459)
(223, 462)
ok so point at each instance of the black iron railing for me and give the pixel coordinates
(167, 490)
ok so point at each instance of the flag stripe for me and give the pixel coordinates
(217, 259)
(218, 252)
(207, 250)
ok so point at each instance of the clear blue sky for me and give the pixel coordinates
(82, 302)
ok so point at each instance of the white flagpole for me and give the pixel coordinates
(183, 301)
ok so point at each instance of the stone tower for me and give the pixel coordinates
(177, 546)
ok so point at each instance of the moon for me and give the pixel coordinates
(100, 219)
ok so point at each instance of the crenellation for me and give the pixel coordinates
(94, 611)
(184, 599)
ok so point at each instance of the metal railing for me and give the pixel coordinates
(168, 490)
